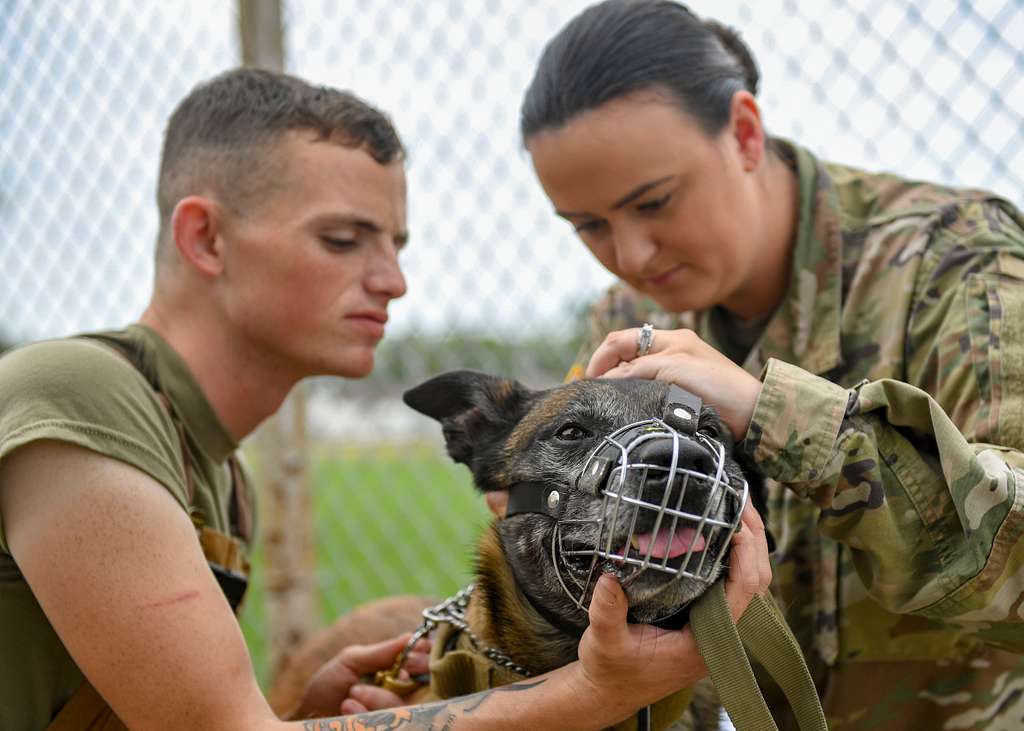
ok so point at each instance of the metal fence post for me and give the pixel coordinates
(286, 512)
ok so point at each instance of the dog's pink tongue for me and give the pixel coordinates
(670, 545)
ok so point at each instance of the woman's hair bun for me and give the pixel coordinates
(736, 48)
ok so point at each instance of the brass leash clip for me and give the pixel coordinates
(390, 679)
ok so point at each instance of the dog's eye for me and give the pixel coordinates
(571, 432)
(711, 430)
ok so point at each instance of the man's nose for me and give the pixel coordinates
(386, 278)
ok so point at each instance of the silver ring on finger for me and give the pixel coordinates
(644, 340)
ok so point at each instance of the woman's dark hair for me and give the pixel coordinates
(622, 46)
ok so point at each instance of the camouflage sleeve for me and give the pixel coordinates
(924, 484)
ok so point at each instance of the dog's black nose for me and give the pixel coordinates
(692, 455)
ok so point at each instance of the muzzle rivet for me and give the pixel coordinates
(682, 413)
(553, 498)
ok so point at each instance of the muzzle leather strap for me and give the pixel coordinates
(534, 497)
(682, 410)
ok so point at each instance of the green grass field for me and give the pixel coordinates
(386, 522)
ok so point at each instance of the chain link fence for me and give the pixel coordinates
(931, 89)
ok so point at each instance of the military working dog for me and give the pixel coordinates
(532, 571)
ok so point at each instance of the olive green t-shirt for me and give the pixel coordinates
(80, 391)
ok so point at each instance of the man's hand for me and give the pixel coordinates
(644, 663)
(339, 687)
(681, 357)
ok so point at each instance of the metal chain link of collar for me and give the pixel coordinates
(451, 611)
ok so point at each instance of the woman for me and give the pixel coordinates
(862, 335)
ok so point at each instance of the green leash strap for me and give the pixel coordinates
(765, 633)
(763, 630)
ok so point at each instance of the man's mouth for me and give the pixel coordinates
(372, 321)
(374, 315)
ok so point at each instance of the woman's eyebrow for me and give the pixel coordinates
(639, 191)
(626, 199)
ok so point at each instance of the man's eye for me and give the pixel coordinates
(655, 204)
(334, 242)
(571, 433)
(588, 226)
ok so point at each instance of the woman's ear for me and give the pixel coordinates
(194, 226)
(746, 129)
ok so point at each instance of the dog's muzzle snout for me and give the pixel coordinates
(668, 504)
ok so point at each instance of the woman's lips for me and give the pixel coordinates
(660, 280)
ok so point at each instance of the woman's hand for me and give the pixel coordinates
(681, 357)
(338, 686)
(616, 657)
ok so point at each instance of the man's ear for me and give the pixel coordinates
(476, 411)
(195, 227)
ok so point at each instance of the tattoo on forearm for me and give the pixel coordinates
(416, 718)
(479, 698)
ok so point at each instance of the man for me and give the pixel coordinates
(282, 212)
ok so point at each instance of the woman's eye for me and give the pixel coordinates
(655, 205)
(572, 433)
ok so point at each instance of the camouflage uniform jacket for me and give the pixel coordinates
(891, 427)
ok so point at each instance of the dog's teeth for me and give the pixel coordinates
(634, 542)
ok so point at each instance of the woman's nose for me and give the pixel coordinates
(634, 247)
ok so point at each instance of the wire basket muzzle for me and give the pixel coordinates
(668, 505)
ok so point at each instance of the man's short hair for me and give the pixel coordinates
(221, 136)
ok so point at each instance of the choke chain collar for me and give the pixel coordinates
(451, 611)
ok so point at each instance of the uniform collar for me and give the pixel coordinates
(804, 330)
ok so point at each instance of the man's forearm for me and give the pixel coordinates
(442, 715)
(556, 697)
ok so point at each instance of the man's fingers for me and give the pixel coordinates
(497, 502)
(753, 521)
(749, 567)
(350, 707)
(608, 607)
(374, 698)
(364, 659)
(417, 663)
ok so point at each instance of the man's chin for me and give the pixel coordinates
(352, 364)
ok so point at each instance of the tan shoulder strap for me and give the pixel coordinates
(86, 711)
(241, 513)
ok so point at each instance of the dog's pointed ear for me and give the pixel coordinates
(476, 411)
